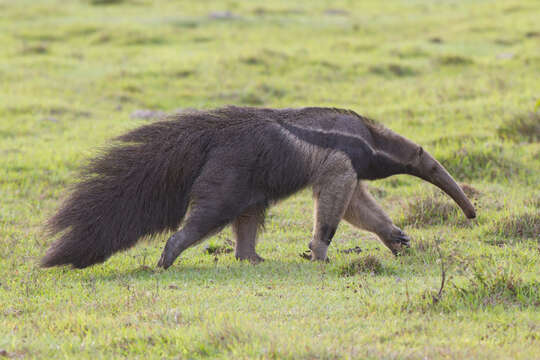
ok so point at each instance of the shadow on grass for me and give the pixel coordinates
(225, 272)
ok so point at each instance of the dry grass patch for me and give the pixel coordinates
(518, 226)
(393, 70)
(106, 2)
(486, 163)
(435, 208)
(500, 287)
(521, 128)
(469, 190)
(364, 264)
(423, 245)
(459, 140)
(484, 288)
(451, 60)
(534, 201)
(409, 52)
(35, 49)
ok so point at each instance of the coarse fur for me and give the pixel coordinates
(227, 166)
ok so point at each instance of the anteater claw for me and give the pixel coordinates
(161, 261)
(398, 241)
(404, 239)
(164, 262)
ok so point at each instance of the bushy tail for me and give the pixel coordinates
(137, 188)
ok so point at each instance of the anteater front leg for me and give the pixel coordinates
(332, 197)
(245, 228)
(364, 212)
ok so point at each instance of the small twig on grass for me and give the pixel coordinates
(407, 292)
(438, 296)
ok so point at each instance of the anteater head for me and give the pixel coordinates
(414, 160)
(428, 168)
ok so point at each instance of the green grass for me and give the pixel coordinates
(458, 77)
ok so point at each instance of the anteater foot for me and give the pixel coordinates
(318, 250)
(252, 258)
(165, 261)
(398, 241)
(173, 248)
(403, 238)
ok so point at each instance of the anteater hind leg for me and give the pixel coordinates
(365, 213)
(180, 241)
(202, 222)
(331, 199)
(245, 228)
(219, 195)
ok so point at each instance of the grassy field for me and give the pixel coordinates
(461, 78)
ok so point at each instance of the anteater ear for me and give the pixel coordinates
(420, 151)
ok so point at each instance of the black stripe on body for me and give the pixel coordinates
(368, 163)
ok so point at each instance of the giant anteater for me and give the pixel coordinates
(227, 166)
